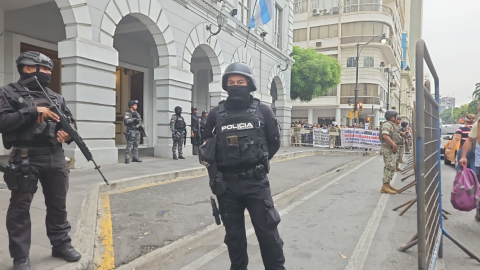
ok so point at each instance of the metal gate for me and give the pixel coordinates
(428, 173)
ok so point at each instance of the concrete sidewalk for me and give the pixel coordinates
(80, 180)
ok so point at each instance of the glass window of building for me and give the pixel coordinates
(326, 31)
(300, 6)
(244, 8)
(351, 62)
(278, 27)
(331, 6)
(368, 62)
(365, 29)
(300, 34)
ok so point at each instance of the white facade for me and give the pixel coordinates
(158, 51)
(335, 28)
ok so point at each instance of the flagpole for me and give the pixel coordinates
(253, 12)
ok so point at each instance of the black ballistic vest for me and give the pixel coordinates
(241, 140)
(180, 123)
(37, 132)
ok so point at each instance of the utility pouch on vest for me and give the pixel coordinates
(260, 172)
(217, 184)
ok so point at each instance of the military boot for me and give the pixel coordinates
(136, 160)
(127, 161)
(401, 161)
(175, 157)
(386, 189)
(181, 157)
(398, 169)
(392, 188)
(21, 264)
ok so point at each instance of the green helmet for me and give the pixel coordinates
(389, 114)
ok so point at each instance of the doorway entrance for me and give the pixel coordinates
(128, 86)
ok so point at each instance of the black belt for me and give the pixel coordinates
(239, 176)
(24, 152)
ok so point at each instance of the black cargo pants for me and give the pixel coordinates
(256, 197)
(53, 174)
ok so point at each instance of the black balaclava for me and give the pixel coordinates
(43, 78)
(238, 92)
(178, 111)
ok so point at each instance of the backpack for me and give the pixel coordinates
(466, 191)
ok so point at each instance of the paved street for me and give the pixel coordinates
(337, 220)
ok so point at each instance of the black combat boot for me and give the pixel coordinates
(136, 160)
(21, 264)
(181, 157)
(175, 157)
(127, 161)
(68, 253)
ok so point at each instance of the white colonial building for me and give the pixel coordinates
(163, 53)
(334, 28)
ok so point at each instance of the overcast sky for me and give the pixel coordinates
(450, 29)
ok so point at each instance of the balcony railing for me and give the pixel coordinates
(364, 39)
(369, 8)
(364, 100)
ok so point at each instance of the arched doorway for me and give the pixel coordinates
(201, 69)
(142, 37)
(204, 52)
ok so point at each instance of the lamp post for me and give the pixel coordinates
(383, 40)
(390, 73)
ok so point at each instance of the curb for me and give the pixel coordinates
(84, 238)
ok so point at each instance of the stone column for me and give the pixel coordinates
(217, 93)
(173, 88)
(310, 116)
(88, 81)
(338, 116)
(284, 116)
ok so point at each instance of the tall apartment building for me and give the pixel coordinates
(446, 103)
(334, 28)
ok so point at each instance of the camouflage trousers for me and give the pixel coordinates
(390, 159)
(298, 137)
(133, 139)
(401, 152)
(177, 143)
(331, 142)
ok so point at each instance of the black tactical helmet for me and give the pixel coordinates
(404, 124)
(33, 59)
(204, 112)
(194, 109)
(178, 109)
(239, 69)
(132, 102)
(389, 114)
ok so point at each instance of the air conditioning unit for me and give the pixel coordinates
(318, 44)
(382, 64)
(316, 12)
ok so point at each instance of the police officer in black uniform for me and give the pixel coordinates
(203, 121)
(195, 125)
(32, 131)
(247, 138)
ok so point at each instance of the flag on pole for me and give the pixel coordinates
(263, 13)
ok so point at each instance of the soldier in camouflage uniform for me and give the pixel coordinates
(331, 143)
(132, 121)
(177, 126)
(389, 150)
(401, 146)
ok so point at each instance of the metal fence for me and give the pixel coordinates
(428, 173)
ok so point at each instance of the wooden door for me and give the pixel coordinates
(136, 93)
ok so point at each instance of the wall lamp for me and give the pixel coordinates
(233, 12)
(221, 21)
(286, 63)
(263, 34)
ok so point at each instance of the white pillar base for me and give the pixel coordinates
(284, 116)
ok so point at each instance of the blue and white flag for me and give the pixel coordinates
(263, 13)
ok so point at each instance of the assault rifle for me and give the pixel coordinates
(67, 127)
(140, 127)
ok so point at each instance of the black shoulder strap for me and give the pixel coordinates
(19, 88)
(252, 109)
(222, 112)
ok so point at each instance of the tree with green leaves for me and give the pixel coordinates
(476, 92)
(313, 74)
